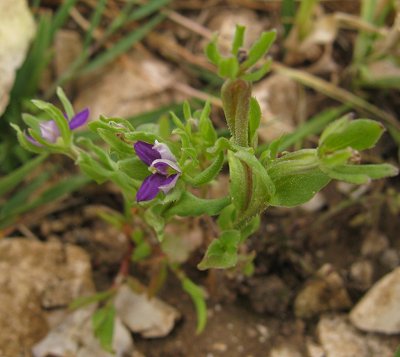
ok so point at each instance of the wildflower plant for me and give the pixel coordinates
(158, 169)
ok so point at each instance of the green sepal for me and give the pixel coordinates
(116, 142)
(222, 252)
(69, 109)
(25, 143)
(259, 49)
(134, 167)
(192, 206)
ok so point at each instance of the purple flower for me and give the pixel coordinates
(164, 166)
(49, 130)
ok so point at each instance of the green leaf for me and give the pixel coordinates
(154, 218)
(187, 112)
(198, 297)
(134, 167)
(259, 73)
(259, 49)
(360, 174)
(141, 251)
(228, 67)
(206, 128)
(116, 142)
(10, 181)
(103, 326)
(222, 252)
(69, 110)
(297, 178)
(358, 134)
(238, 39)
(209, 173)
(212, 52)
(83, 301)
(192, 206)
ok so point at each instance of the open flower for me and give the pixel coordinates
(49, 130)
(164, 168)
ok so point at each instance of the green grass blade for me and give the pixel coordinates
(94, 22)
(10, 181)
(147, 9)
(61, 16)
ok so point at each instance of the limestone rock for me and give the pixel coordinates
(340, 339)
(379, 309)
(74, 337)
(17, 29)
(326, 292)
(285, 351)
(149, 317)
(34, 275)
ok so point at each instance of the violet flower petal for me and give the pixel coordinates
(79, 119)
(164, 151)
(162, 166)
(151, 186)
(146, 152)
(49, 131)
(169, 183)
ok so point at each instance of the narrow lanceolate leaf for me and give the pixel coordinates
(259, 49)
(198, 297)
(212, 52)
(222, 252)
(209, 173)
(192, 206)
(90, 299)
(259, 73)
(238, 39)
(103, 326)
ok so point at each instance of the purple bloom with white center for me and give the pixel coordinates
(164, 166)
(49, 130)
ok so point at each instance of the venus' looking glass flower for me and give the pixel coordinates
(163, 165)
(49, 130)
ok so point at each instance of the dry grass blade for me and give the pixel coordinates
(337, 93)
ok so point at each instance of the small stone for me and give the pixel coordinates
(374, 244)
(362, 273)
(339, 338)
(379, 309)
(315, 204)
(324, 293)
(149, 317)
(390, 258)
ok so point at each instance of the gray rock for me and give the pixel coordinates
(17, 29)
(379, 309)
